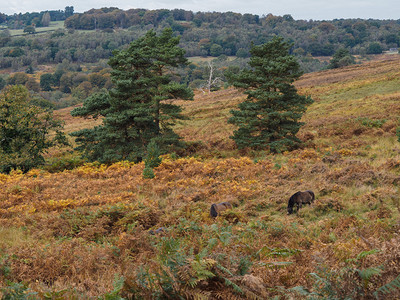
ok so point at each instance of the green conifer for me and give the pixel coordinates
(153, 159)
(137, 109)
(270, 116)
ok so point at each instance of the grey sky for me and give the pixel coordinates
(299, 9)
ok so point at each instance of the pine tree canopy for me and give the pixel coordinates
(270, 116)
(139, 107)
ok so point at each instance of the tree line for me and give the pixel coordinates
(36, 19)
(202, 34)
(226, 33)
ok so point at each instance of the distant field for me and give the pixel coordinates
(52, 27)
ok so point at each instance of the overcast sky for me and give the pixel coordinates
(299, 9)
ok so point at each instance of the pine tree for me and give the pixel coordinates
(270, 116)
(138, 109)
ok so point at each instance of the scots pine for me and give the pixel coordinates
(138, 108)
(270, 116)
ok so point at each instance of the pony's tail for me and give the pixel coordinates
(213, 211)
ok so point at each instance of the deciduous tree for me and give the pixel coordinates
(30, 29)
(341, 58)
(46, 19)
(46, 81)
(24, 131)
(3, 83)
(18, 78)
(374, 48)
(69, 11)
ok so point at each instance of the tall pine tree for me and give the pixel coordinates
(270, 116)
(138, 109)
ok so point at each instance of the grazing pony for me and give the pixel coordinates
(300, 198)
(217, 208)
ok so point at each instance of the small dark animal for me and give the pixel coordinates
(299, 199)
(157, 231)
(218, 207)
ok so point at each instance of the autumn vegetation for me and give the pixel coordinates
(84, 231)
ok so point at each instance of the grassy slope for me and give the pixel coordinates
(79, 228)
(52, 27)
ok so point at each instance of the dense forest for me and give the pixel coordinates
(215, 33)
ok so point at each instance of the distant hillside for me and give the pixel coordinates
(214, 33)
(359, 100)
(204, 34)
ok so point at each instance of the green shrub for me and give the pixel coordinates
(17, 291)
(371, 123)
(57, 164)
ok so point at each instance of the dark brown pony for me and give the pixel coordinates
(218, 207)
(299, 199)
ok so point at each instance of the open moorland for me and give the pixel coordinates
(89, 232)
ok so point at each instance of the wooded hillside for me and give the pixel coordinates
(209, 33)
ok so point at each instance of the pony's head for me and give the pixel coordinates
(218, 207)
(291, 203)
